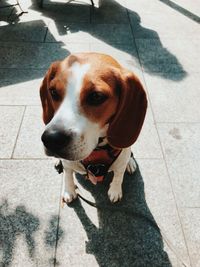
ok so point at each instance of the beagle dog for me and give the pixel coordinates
(94, 110)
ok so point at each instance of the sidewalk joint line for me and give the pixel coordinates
(169, 177)
(134, 42)
(22, 119)
(58, 225)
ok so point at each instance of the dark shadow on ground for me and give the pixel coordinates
(32, 62)
(54, 233)
(21, 222)
(20, 62)
(155, 58)
(128, 234)
(11, 11)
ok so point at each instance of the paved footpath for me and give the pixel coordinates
(159, 40)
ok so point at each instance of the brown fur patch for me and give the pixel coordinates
(103, 82)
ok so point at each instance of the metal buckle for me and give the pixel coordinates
(96, 172)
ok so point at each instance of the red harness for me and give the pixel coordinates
(99, 161)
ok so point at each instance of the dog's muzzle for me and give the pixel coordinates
(55, 140)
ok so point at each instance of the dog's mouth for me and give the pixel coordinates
(64, 155)
(68, 154)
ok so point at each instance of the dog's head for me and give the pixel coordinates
(87, 96)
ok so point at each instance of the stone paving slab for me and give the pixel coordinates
(169, 57)
(32, 31)
(181, 148)
(110, 12)
(149, 26)
(5, 11)
(185, 9)
(20, 86)
(143, 7)
(29, 143)
(29, 207)
(172, 101)
(184, 175)
(145, 20)
(158, 58)
(180, 140)
(161, 202)
(147, 144)
(67, 12)
(190, 6)
(17, 55)
(76, 32)
(10, 121)
(191, 224)
(125, 54)
(69, 32)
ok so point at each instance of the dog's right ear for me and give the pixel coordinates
(126, 124)
(47, 103)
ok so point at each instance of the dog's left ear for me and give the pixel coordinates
(125, 126)
(47, 103)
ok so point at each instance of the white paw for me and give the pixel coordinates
(115, 193)
(69, 196)
(131, 166)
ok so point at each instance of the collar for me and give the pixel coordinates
(99, 161)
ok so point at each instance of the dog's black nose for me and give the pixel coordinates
(55, 140)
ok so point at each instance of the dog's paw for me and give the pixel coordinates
(69, 196)
(58, 166)
(115, 193)
(131, 166)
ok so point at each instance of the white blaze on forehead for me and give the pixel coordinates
(78, 72)
(74, 84)
(68, 113)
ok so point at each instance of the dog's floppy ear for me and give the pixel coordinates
(125, 126)
(47, 104)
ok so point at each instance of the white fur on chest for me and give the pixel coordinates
(78, 167)
(119, 166)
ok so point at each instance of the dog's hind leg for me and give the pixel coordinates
(131, 166)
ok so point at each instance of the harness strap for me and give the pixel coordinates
(99, 161)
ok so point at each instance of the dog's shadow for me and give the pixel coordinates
(128, 234)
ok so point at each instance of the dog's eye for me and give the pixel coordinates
(96, 98)
(54, 94)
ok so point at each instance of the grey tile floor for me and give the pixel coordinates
(159, 41)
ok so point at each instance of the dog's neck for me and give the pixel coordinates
(99, 161)
(102, 141)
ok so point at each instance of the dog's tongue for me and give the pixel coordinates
(96, 173)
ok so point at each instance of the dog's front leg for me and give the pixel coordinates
(69, 188)
(118, 167)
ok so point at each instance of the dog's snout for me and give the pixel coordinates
(55, 139)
